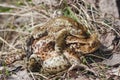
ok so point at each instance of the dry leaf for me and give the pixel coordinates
(113, 60)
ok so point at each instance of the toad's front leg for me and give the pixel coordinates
(60, 41)
(30, 41)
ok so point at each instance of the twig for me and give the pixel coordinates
(108, 26)
(41, 75)
(7, 43)
(32, 75)
(96, 56)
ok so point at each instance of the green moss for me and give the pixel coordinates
(67, 11)
(5, 9)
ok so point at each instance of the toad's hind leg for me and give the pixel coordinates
(79, 67)
(75, 62)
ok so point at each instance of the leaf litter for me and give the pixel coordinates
(21, 21)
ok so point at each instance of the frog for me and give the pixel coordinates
(58, 45)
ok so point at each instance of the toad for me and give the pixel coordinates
(57, 45)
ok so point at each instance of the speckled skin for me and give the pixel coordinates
(57, 45)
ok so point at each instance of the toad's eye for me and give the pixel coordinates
(75, 32)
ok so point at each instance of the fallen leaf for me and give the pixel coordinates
(20, 75)
(113, 60)
(107, 41)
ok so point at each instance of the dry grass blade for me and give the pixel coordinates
(106, 25)
(32, 75)
(41, 76)
(9, 6)
(14, 14)
(11, 46)
(18, 20)
(13, 30)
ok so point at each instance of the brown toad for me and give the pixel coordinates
(58, 29)
(55, 46)
(47, 60)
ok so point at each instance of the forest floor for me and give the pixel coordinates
(19, 18)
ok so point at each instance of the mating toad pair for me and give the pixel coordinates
(57, 45)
